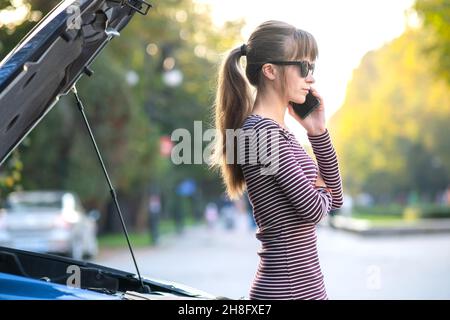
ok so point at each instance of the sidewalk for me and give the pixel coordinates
(224, 263)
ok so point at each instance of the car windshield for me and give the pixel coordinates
(35, 202)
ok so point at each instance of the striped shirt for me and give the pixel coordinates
(287, 207)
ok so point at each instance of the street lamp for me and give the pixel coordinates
(173, 78)
(132, 78)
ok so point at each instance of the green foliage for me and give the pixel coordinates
(128, 119)
(436, 18)
(391, 210)
(10, 176)
(140, 239)
(431, 211)
(11, 33)
(391, 134)
(395, 211)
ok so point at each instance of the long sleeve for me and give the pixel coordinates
(328, 166)
(310, 203)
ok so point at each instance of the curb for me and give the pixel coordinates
(365, 227)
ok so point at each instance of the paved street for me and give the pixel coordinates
(355, 267)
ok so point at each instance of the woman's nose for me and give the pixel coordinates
(310, 78)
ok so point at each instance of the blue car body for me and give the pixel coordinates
(14, 287)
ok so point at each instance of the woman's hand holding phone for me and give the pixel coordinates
(314, 123)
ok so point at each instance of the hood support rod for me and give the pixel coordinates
(145, 288)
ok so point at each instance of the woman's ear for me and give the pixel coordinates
(269, 71)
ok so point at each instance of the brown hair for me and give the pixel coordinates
(272, 40)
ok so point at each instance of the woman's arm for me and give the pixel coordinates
(323, 149)
(328, 166)
(311, 203)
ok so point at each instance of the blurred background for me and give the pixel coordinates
(383, 70)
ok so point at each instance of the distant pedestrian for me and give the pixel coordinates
(211, 215)
(251, 219)
(447, 196)
(228, 216)
(154, 212)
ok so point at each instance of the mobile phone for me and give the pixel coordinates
(304, 109)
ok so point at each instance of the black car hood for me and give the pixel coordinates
(51, 58)
(54, 269)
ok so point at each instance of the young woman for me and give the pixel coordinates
(290, 199)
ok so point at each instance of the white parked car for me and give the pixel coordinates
(49, 222)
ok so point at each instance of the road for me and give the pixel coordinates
(224, 262)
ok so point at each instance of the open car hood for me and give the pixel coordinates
(51, 58)
(30, 275)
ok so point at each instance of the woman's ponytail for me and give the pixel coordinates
(233, 104)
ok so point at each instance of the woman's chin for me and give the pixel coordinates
(300, 100)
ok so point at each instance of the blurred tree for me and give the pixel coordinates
(10, 176)
(178, 38)
(392, 130)
(28, 13)
(130, 103)
(436, 18)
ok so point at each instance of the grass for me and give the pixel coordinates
(118, 240)
(139, 239)
(395, 214)
(380, 219)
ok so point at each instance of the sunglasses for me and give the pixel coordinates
(304, 66)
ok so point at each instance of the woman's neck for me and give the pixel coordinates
(270, 105)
